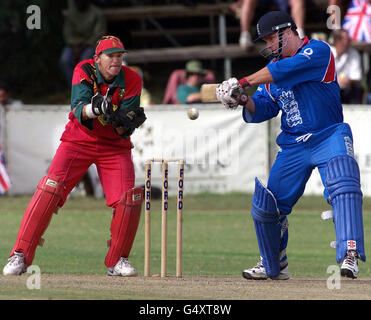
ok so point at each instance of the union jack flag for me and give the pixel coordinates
(4, 178)
(357, 20)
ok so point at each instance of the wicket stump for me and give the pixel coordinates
(147, 221)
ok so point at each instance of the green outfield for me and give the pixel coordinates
(218, 238)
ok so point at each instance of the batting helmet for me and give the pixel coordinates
(273, 21)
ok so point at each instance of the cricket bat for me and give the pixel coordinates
(208, 92)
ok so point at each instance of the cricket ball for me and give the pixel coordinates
(192, 113)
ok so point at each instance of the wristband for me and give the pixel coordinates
(244, 83)
(243, 98)
(89, 111)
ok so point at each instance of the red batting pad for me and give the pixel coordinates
(124, 225)
(38, 215)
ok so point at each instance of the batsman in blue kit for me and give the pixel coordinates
(300, 81)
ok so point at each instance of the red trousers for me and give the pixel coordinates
(115, 169)
(71, 161)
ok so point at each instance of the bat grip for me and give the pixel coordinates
(241, 96)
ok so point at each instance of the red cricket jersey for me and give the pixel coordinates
(84, 85)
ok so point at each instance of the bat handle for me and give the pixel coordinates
(241, 96)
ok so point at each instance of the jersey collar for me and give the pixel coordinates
(305, 42)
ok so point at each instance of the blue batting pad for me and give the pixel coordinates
(264, 205)
(344, 188)
(267, 227)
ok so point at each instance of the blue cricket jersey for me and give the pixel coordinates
(305, 89)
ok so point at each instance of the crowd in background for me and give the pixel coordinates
(183, 85)
(84, 22)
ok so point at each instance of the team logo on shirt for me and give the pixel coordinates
(307, 52)
(291, 108)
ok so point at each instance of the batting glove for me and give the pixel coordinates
(226, 93)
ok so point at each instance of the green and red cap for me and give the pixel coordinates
(108, 45)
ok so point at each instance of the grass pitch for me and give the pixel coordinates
(218, 241)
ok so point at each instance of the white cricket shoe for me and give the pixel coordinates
(16, 265)
(123, 268)
(258, 272)
(349, 268)
(245, 40)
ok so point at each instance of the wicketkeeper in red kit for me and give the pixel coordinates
(104, 113)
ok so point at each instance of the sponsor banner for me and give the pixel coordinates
(32, 138)
(221, 152)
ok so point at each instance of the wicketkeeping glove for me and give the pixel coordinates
(99, 104)
(129, 118)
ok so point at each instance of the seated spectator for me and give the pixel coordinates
(247, 13)
(84, 24)
(177, 78)
(190, 91)
(348, 68)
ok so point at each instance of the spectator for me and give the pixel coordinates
(84, 24)
(190, 91)
(248, 12)
(339, 3)
(348, 68)
(177, 78)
